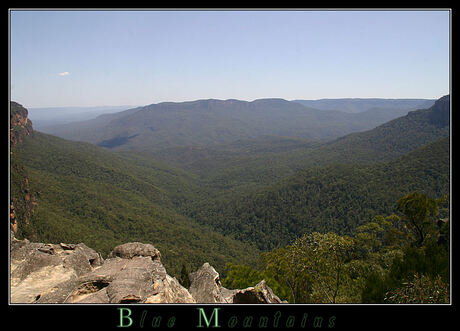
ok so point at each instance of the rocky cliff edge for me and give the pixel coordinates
(132, 273)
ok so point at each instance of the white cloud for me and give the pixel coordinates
(65, 73)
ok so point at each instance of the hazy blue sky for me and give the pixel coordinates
(93, 58)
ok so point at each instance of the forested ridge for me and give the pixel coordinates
(211, 122)
(86, 194)
(335, 198)
(254, 162)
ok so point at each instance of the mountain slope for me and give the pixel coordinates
(88, 194)
(385, 142)
(329, 198)
(395, 137)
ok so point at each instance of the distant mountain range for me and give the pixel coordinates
(359, 105)
(333, 186)
(269, 158)
(49, 116)
(213, 122)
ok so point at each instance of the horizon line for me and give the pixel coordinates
(228, 99)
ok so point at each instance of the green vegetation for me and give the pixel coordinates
(382, 263)
(104, 199)
(431, 261)
(422, 289)
(335, 198)
(262, 161)
(350, 220)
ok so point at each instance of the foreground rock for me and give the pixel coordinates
(205, 287)
(132, 273)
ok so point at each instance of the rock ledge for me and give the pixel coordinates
(132, 273)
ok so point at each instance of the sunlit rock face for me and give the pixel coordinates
(132, 273)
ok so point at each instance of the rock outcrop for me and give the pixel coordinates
(132, 273)
(205, 287)
(23, 199)
(20, 125)
(40, 270)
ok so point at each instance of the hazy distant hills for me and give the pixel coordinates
(359, 105)
(213, 122)
(231, 166)
(50, 116)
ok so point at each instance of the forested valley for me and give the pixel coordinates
(358, 218)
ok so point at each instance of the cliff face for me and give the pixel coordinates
(20, 125)
(22, 199)
(132, 273)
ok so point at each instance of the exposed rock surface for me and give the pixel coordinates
(205, 287)
(38, 269)
(132, 273)
(20, 125)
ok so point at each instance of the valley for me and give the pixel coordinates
(236, 183)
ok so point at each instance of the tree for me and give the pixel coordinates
(285, 264)
(240, 276)
(418, 210)
(368, 236)
(431, 260)
(184, 279)
(324, 258)
(382, 233)
(243, 276)
(422, 289)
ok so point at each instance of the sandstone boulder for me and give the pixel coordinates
(132, 273)
(67, 273)
(38, 268)
(260, 293)
(205, 287)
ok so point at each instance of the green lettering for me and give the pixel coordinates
(156, 322)
(144, 313)
(331, 322)
(247, 322)
(317, 323)
(263, 322)
(122, 317)
(207, 321)
(304, 320)
(232, 322)
(290, 322)
(277, 319)
(171, 322)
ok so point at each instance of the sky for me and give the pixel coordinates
(102, 58)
